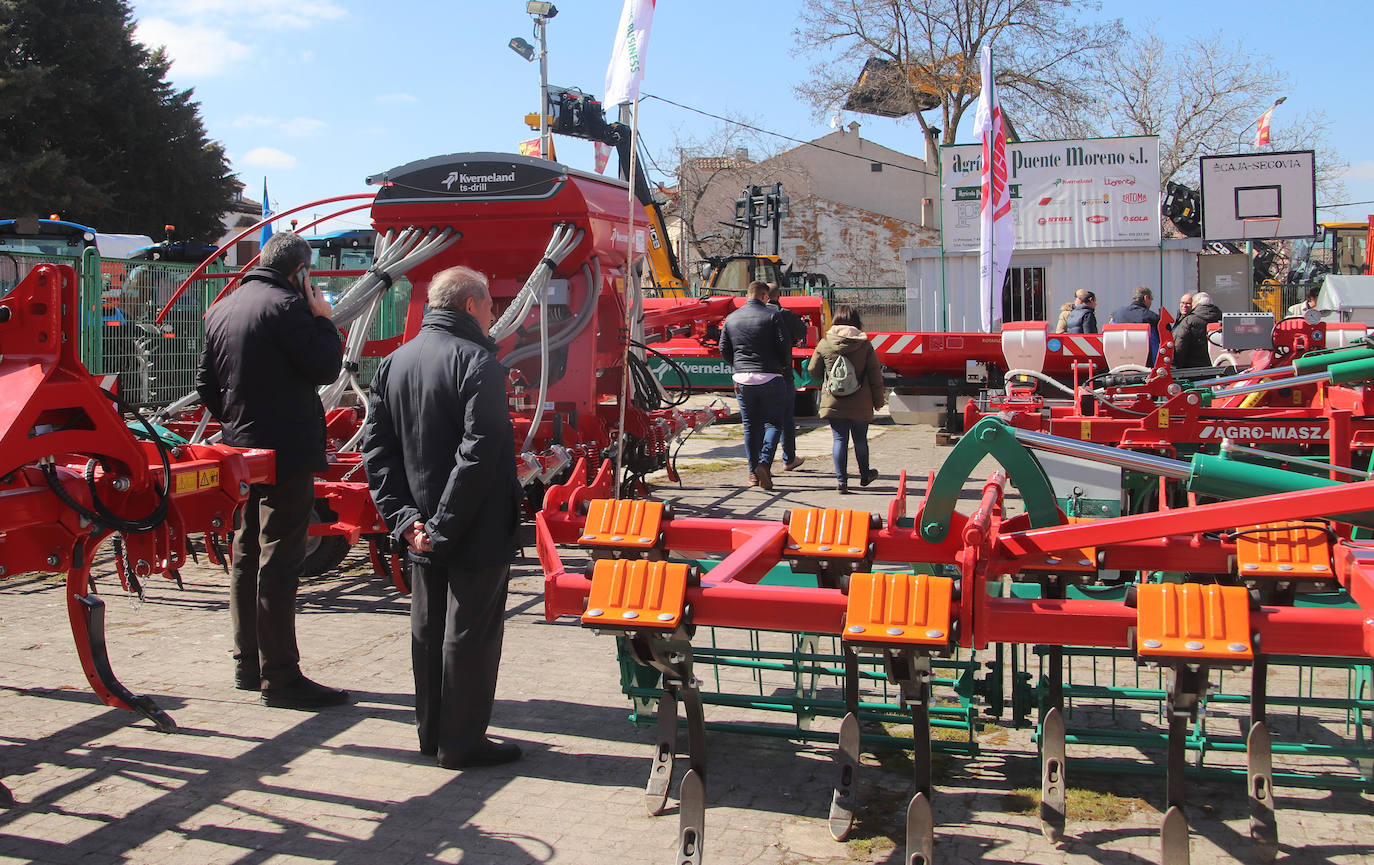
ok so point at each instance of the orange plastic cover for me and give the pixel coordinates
(828, 533)
(1190, 620)
(899, 609)
(622, 523)
(636, 593)
(1285, 550)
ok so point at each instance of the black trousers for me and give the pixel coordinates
(457, 620)
(269, 550)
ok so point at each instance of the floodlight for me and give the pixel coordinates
(523, 48)
(542, 9)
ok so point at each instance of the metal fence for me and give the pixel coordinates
(880, 308)
(156, 363)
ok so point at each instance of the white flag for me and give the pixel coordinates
(997, 235)
(628, 53)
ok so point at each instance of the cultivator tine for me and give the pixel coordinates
(920, 831)
(692, 799)
(691, 819)
(912, 671)
(1264, 828)
(661, 772)
(1185, 691)
(847, 761)
(1173, 837)
(1053, 783)
(920, 743)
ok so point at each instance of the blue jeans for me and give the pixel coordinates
(843, 430)
(789, 422)
(761, 412)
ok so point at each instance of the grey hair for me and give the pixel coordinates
(453, 287)
(284, 252)
(1201, 297)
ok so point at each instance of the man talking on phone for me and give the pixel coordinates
(268, 346)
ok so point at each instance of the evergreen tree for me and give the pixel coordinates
(91, 129)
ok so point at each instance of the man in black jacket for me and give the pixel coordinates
(439, 449)
(268, 346)
(1138, 312)
(754, 341)
(1190, 333)
(796, 332)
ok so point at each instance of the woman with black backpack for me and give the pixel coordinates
(851, 390)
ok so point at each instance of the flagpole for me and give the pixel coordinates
(625, 297)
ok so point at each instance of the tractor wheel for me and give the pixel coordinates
(324, 553)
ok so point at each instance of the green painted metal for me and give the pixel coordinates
(1317, 361)
(990, 437)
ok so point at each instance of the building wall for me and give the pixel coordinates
(847, 220)
(901, 186)
(1113, 274)
(851, 245)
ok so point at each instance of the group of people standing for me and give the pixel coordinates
(1195, 312)
(757, 341)
(439, 452)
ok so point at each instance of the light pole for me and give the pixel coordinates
(1241, 136)
(542, 12)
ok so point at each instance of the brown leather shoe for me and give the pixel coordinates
(764, 475)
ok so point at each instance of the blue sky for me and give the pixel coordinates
(315, 95)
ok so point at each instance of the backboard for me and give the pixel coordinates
(1259, 196)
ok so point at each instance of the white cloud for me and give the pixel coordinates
(1361, 170)
(196, 51)
(269, 14)
(396, 97)
(299, 126)
(268, 157)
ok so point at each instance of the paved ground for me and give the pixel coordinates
(244, 784)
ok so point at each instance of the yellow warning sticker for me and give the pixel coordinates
(1085, 430)
(208, 478)
(185, 482)
(1163, 418)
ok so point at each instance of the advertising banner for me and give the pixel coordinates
(1064, 194)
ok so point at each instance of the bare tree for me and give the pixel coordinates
(1046, 52)
(1202, 96)
(710, 173)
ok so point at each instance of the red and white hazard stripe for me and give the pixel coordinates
(1079, 345)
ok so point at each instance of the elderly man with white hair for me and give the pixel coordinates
(1190, 333)
(439, 449)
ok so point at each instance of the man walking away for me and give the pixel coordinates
(753, 340)
(439, 449)
(796, 332)
(268, 346)
(1138, 312)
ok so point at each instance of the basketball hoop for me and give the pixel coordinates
(1264, 227)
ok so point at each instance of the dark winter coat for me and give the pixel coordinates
(1082, 320)
(439, 445)
(853, 344)
(1138, 313)
(796, 332)
(1190, 336)
(754, 339)
(265, 355)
